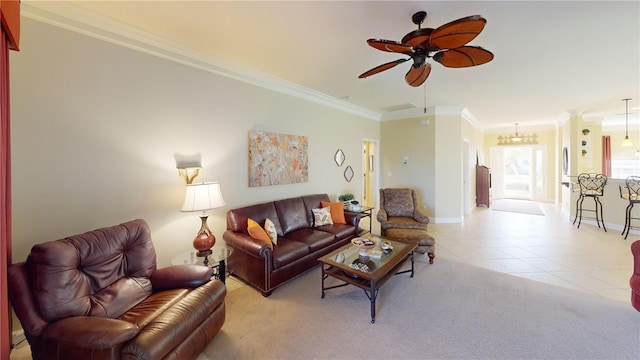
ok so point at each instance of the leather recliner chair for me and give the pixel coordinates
(99, 295)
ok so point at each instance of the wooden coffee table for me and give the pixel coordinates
(338, 264)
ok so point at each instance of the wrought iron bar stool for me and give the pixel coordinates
(591, 185)
(632, 195)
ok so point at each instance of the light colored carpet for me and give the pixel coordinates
(518, 206)
(448, 310)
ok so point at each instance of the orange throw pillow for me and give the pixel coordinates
(337, 211)
(257, 232)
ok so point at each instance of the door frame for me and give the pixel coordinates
(374, 175)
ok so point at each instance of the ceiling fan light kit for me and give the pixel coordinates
(446, 45)
(516, 137)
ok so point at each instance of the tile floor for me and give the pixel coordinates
(548, 249)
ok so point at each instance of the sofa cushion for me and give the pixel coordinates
(337, 211)
(313, 202)
(288, 251)
(401, 222)
(341, 231)
(292, 214)
(96, 333)
(101, 273)
(314, 239)
(237, 218)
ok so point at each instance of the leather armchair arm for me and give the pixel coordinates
(382, 215)
(181, 276)
(245, 243)
(352, 219)
(23, 301)
(420, 217)
(90, 332)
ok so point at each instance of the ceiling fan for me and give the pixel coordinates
(445, 44)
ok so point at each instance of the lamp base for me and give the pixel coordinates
(204, 241)
(204, 253)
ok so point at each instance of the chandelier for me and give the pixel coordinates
(517, 138)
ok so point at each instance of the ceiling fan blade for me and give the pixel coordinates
(457, 33)
(416, 37)
(389, 45)
(417, 75)
(463, 57)
(381, 68)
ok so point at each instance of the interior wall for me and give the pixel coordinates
(408, 157)
(426, 154)
(97, 127)
(476, 155)
(448, 169)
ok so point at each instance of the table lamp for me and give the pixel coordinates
(202, 197)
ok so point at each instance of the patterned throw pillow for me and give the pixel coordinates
(270, 228)
(337, 211)
(322, 216)
(257, 232)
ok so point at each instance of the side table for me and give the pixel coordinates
(364, 212)
(217, 260)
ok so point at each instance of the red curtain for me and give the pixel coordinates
(606, 155)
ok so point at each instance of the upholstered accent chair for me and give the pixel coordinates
(399, 210)
(635, 278)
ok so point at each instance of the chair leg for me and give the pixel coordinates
(580, 200)
(431, 257)
(628, 219)
(577, 209)
(599, 206)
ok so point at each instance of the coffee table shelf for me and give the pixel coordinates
(386, 267)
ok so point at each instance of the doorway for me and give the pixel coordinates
(518, 172)
(369, 172)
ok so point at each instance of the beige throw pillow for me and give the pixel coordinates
(322, 216)
(270, 228)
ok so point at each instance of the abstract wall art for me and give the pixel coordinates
(276, 159)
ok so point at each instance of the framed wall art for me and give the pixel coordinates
(276, 159)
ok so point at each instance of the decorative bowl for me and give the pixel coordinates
(364, 244)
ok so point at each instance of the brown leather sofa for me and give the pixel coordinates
(99, 295)
(299, 243)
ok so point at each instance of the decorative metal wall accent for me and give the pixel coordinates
(530, 139)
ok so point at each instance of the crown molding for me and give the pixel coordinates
(68, 16)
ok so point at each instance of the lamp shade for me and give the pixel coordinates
(202, 196)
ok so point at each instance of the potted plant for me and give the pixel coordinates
(584, 152)
(346, 199)
(585, 131)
